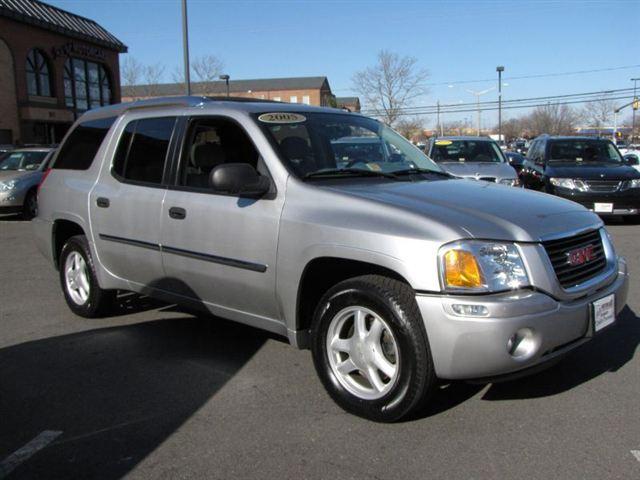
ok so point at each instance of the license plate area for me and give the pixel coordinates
(603, 207)
(603, 312)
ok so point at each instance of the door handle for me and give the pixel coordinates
(177, 213)
(102, 202)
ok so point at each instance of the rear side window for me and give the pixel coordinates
(142, 151)
(80, 148)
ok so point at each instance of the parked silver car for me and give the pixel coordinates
(393, 272)
(20, 173)
(476, 158)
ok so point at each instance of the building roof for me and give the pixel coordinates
(347, 100)
(235, 86)
(55, 19)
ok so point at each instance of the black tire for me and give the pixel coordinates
(99, 302)
(395, 303)
(30, 205)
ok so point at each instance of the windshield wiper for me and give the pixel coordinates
(351, 172)
(426, 171)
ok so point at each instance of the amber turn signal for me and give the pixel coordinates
(462, 270)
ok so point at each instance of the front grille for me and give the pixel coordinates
(487, 179)
(603, 186)
(573, 275)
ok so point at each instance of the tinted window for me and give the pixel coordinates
(22, 160)
(466, 151)
(211, 142)
(587, 150)
(142, 151)
(80, 148)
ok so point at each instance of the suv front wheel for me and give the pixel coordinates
(370, 348)
(79, 282)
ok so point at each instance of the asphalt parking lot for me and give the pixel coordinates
(156, 392)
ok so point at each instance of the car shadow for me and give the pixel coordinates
(12, 218)
(115, 393)
(607, 352)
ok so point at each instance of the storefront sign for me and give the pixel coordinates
(72, 49)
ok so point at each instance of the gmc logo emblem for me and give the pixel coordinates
(580, 255)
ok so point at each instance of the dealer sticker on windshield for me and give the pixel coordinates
(282, 117)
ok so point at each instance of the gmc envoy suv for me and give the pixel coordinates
(393, 272)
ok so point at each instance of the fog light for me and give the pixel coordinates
(470, 310)
(522, 344)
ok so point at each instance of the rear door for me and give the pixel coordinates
(126, 203)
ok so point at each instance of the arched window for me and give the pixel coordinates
(86, 84)
(38, 74)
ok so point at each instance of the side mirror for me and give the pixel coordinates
(239, 179)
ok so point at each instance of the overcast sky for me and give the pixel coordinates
(454, 40)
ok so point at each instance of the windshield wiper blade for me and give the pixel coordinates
(350, 171)
(426, 171)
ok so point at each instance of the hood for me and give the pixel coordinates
(591, 171)
(480, 209)
(6, 175)
(479, 169)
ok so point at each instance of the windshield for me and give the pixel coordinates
(311, 143)
(466, 151)
(588, 150)
(22, 161)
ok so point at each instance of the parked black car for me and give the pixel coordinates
(516, 160)
(590, 171)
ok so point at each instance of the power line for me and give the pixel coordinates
(577, 97)
(524, 77)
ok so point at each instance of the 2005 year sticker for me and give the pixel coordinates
(282, 117)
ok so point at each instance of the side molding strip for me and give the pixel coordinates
(231, 262)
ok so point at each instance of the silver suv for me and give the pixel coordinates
(328, 228)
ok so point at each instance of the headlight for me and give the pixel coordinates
(8, 185)
(569, 183)
(631, 184)
(512, 182)
(475, 266)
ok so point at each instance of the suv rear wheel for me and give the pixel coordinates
(79, 282)
(370, 348)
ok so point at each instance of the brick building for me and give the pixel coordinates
(54, 65)
(307, 90)
(348, 103)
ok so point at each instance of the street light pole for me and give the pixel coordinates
(478, 94)
(185, 45)
(633, 115)
(499, 69)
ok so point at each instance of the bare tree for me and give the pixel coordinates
(177, 74)
(390, 85)
(152, 76)
(207, 68)
(410, 127)
(458, 127)
(554, 119)
(512, 128)
(132, 71)
(598, 113)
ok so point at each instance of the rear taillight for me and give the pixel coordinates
(44, 177)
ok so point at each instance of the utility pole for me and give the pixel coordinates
(499, 69)
(478, 94)
(185, 45)
(439, 125)
(635, 107)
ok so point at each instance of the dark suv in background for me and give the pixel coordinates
(590, 171)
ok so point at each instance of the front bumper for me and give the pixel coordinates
(625, 202)
(11, 201)
(476, 347)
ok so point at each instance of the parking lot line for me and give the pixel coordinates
(636, 453)
(24, 453)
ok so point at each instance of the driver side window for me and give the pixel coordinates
(211, 142)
